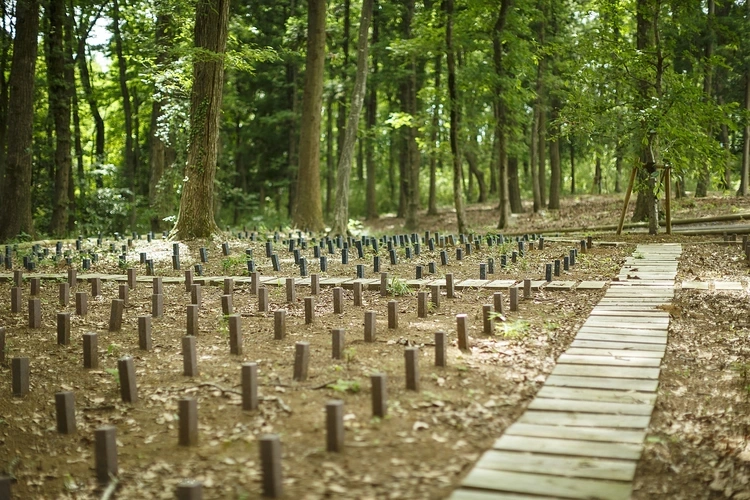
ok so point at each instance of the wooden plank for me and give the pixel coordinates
(606, 371)
(575, 359)
(538, 284)
(547, 404)
(621, 329)
(626, 346)
(648, 323)
(470, 494)
(499, 284)
(640, 339)
(583, 351)
(603, 395)
(471, 284)
(560, 285)
(628, 302)
(591, 285)
(585, 419)
(630, 307)
(622, 384)
(537, 484)
(577, 433)
(616, 470)
(569, 447)
(625, 313)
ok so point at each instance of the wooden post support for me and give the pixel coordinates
(190, 489)
(314, 284)
(301, 360)
(128, 388)
(440, 348)
(379, 395)
(144, 333)
(527, 288)
(335, 425)
(35, 313)
(270, 460)
(370, 326)
(337, 343)
(131, 278)
(357, 293)
(309, 310)
(497, 298)
(487, 322)
(435, 295)
(235, 334)
(422, 304)
(2, 344)
(18, 278)
(96, 287)
(157, 286)
(192, 319)
(249, 376)
(72, 278)
(628, 192)
(90, 350)
(668, 196)
(195, 294)
(290, 295)
(16, 294)
(383, 284)
(338, 300)
(188, 413)
(20, 376)
(411, 357)
(462, 331)
(123, 293)
(254, 282)
(115, 315)
(36, 287)
(228, 286)
(262, 299)
(513, 298)
(64, 294)
(105, 453)
(449, 286)
(279, 324)
(157, 305)
(82, 303)
(392, 314)
(65, 411)
(63, 328)
(189, 357)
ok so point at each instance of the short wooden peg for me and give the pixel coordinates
(301, 360)
(249, 377)
(270, 459)
(335, 425)
(66, 412)
(188, 412)
(105, 453)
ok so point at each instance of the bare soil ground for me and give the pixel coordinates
(696, 446)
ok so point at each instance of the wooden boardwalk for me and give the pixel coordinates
(582, 436)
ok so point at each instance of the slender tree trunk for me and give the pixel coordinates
(79, 206)
(541, 126)
(392, 144)
(554, 159)
(85, 77)
(501, 114)
(59, 93)
(572, 166)
(493, 167)
(16, 186)
(292, 137)
(196, 216)
(342, 93)
(371, 117)
(514, 187)
(746, 130)
(409, 106)
(704, 177)
(5, 44)
(308, 212)
(534, 154)
(453, 99)
(596, 185)
(329, 156)
(618, 168)
(341, 213)
(126, 104)
(435, 150)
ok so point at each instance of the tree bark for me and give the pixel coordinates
(458, 199)
(409, 106)
(59, 93)
(126, 104)
(341, 104)
(534, 157)
(5, 43)
(16, 185)
(371, 117)
(541, 127)
(434, 129)
(554, 159)
(341, 213)
(572, 167)
(514, 187)
(329, 156)
(596, 184)
(704, 177)
(307, 212)
(473, 161)
(196, 216)
(746, 130)
(501, 114)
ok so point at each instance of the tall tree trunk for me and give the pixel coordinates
(596, 184)
(409, 106)
(80, 205)
(341, 213)
(618, 167)
(746, 130)
(572, 166)
(501, 114)
(554, 159)
(341, 104)
(59, 94)
(541, 127)
(534, 157)
(292, 137)
(5, 44)
(16, 186)
(159, 145)
(196, 216)
(84, 28)
(329, 156)
(514, 186)
(434, 149)
(126, 104)
(493, 167)
(458, 199)
(704, 177)
(308, 212)
(371, 118)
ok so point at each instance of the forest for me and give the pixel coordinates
(193, 115)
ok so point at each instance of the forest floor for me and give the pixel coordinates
(697, 443)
